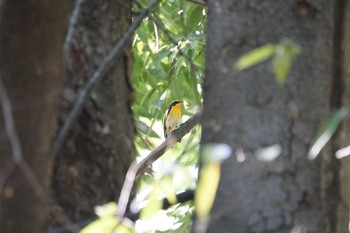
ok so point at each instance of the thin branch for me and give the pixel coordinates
(9, 124)
(73, 21)
(102, 70)
(5, 171)
(175, 137)
(32, 179)
(138, 168)
(17, 158)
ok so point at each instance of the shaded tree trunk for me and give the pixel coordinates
(32, 34)
(92, 166)
(248, 110)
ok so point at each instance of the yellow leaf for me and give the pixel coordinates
(209, 177)
(254, 57)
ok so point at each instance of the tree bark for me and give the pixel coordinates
(32, 34)
(92, 166)
(248, 110)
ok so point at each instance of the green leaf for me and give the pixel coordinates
(281, 65)
(164, 53)
(143, 34)
(142, 112)
(107, 221)
(147, 96)
(328, 132)
(195, 17)
(285, 52)
(151, 208)
(209, 177)
(145, 129)
(254, 57)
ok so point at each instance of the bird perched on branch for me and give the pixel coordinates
(172, 117)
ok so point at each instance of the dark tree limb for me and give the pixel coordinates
(137, 169)
(101, 71)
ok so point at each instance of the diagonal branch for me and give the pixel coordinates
(10, 124)
(138, 168)
(17, 158)
(101, 71)
(73, 21)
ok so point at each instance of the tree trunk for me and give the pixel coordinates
(91, 169)
(248, 110)
(32, 34)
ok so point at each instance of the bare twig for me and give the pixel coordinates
(101, 71)
(138, 168)
(29, 175)
(17, 158)
(5, 171)
(9, 124)
(70, 33)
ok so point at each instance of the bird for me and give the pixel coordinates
(172, 117)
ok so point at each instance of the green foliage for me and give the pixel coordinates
(169, 179)
(168, 51)
(164, 70)
(255, 56)
(327, 131)
(283, 58)
(107, 221)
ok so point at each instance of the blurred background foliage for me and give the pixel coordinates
(168, 51)
(169, 57)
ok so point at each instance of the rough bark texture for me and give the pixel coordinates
(249, 110)
(32, 34)
(344, 100)
(91, 169)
